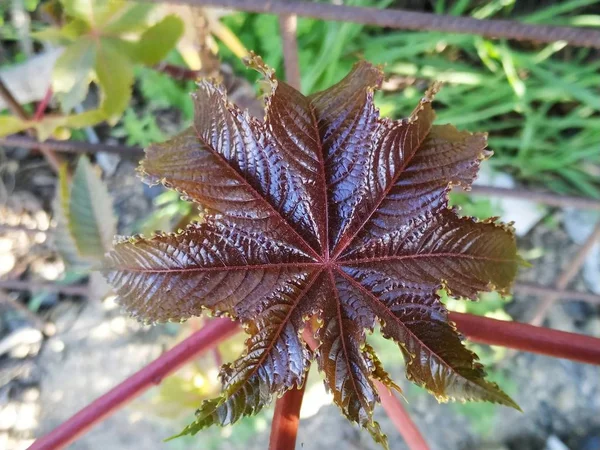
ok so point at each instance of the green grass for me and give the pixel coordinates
(540, 103)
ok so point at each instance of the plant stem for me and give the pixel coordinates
(18, 111)
(400, 418)
(480, 329)
(41, 107)
(152, 374)
(286, 419)
(528, 338)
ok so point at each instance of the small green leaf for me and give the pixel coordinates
(115, 76)
(64, 242)
(47, 127)
(126, 47)
(71, 75)
(91, 218)
(85, 119)
(94, 12)
(12, 124)
(62, 36)
(130, 19)
(158, 40)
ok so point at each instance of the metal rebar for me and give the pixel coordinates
(522, 288)
(287, 25)
(564, 294)
(546, 198)
(409, 20)
(21, 285)
(70, 146)
(565, 277)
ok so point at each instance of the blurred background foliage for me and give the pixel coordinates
(539, 103)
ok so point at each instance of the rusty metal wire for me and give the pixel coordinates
(546, 198)
(388, 18)
(572, 269)
(70, 146)
(287, 28)
(564, 294)
(409, 20)
(288, 10)
(21, 285)
(522, 288)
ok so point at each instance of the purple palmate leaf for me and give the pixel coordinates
(325, 210)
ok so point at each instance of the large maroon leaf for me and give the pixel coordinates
(323, 209)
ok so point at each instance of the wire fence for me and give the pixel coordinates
(288, 12)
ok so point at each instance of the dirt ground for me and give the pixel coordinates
(93, 346)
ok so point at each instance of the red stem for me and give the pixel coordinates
(201, 341)
(528, 338)
(479, 329)
(286, 420)
(41, 107)
(400, 418)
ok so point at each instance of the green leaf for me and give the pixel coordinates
(115, 76)
(90, 215)
(12, 124)
(130, 19)
(61, 36)
(85, 119)
(94, 12)
(158, 40)
(71, 75)
(64, 242)
(126, 47)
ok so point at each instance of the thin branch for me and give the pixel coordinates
(409, 20)
(528, 338)
(18, 111)
(565, 277)
(201, 341)
(401, 418)
(13, 105)
(286, 420)
(287, 25)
